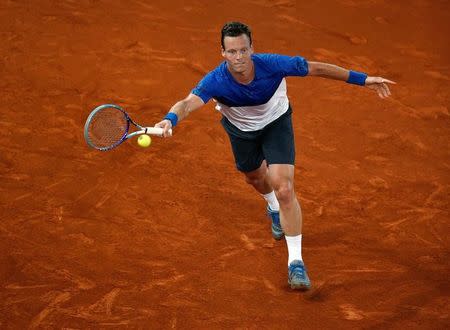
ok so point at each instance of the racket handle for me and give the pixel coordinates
(154, 131)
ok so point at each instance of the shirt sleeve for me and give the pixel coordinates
(289, 65)
(204, 88)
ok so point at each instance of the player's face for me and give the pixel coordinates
(237, 53)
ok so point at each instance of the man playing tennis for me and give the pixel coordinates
(250, 91)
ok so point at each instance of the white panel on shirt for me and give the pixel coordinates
(256, 117)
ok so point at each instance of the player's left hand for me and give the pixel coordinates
(380, 85)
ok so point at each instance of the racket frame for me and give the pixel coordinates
(141, 129)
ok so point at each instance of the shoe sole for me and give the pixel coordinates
(299, 286)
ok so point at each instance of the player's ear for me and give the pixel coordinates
(223, 51)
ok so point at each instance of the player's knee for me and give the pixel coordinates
(284, 191)
(257, 177)
(254, 180)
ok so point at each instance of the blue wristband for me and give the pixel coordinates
(172, 117)
(357, 78)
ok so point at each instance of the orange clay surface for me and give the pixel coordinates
(171, 236)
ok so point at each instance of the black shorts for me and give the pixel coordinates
(274, 143)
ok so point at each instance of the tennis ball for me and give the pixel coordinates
(144, 140)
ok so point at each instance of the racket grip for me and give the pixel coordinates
(155, 131)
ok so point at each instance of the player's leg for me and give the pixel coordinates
(259, 179)
(249, 159)
(282, 180)
(279, 151)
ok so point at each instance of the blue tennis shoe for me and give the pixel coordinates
(297, 277)
(277, 231)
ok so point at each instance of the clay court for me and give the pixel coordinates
(171, 236)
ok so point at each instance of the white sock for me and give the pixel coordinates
(272, 201)
(294, 245)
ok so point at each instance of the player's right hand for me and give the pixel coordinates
(166, 125)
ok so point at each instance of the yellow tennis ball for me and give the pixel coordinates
(144, 140)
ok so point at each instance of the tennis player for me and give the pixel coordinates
(250, 91)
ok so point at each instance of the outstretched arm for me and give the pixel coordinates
(331, 71)
(179, 111)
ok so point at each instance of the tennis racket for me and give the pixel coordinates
(108, 126)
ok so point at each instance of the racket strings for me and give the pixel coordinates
(107, 127)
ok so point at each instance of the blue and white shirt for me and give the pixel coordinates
(251, 107)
